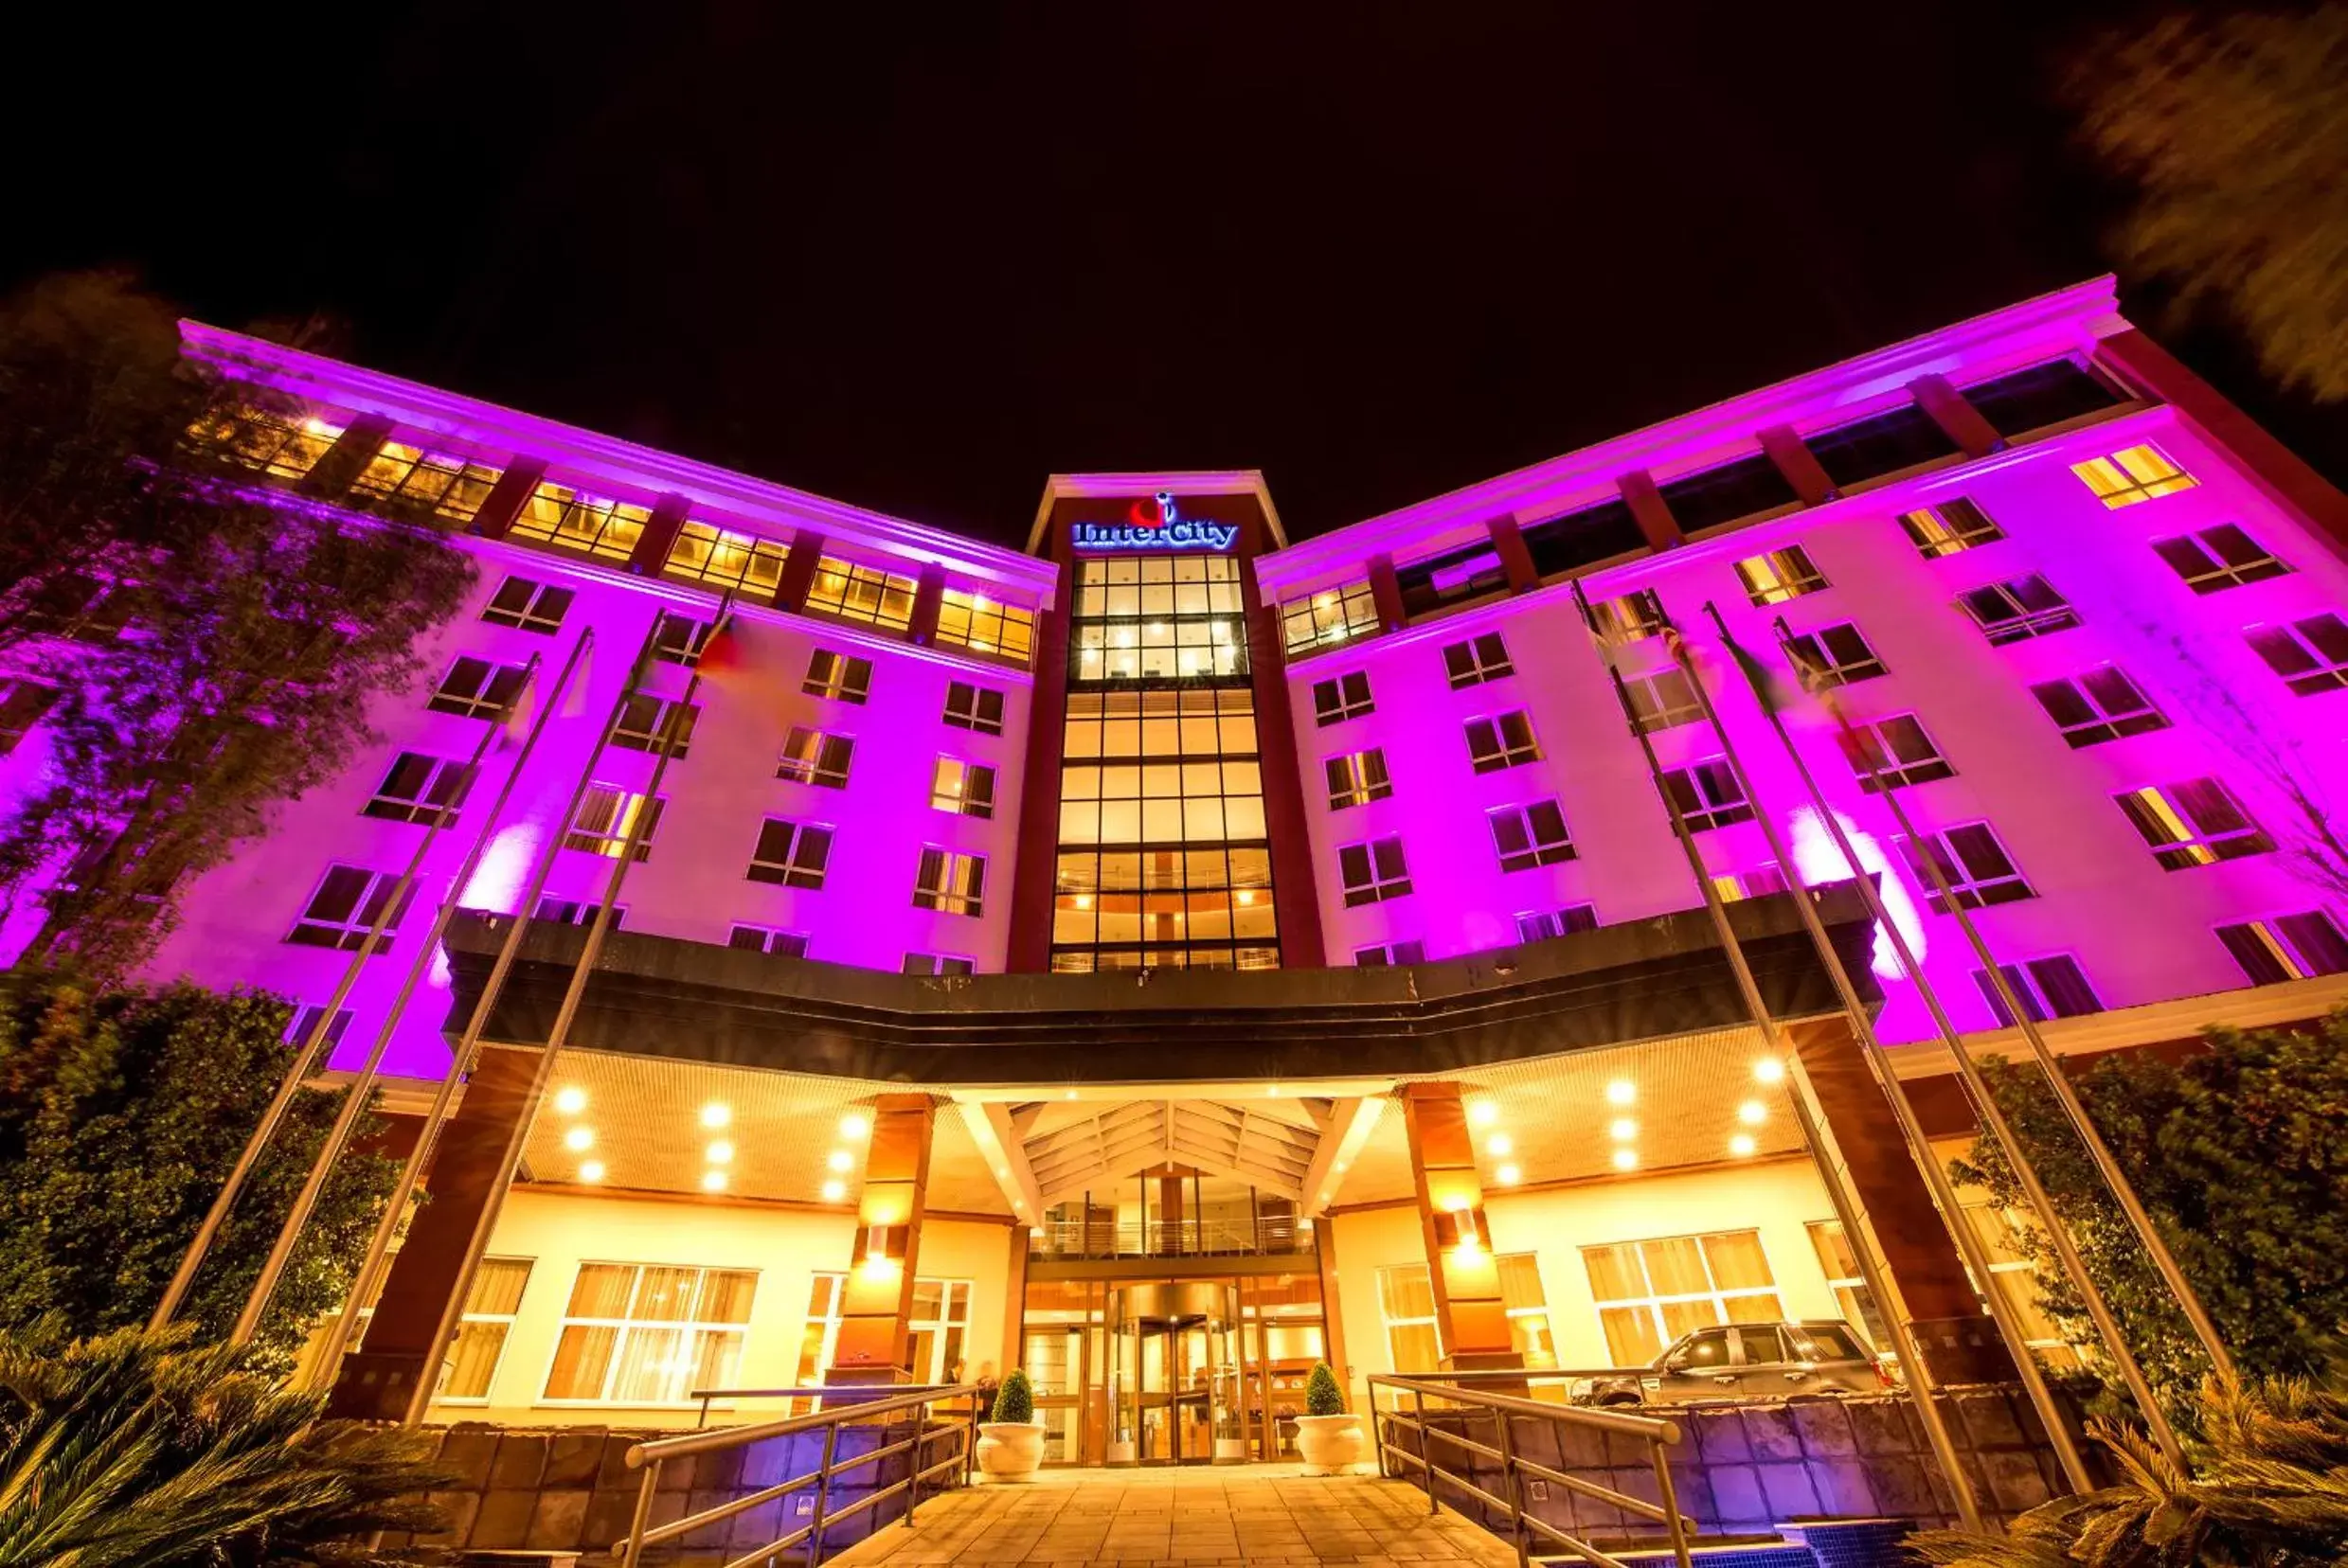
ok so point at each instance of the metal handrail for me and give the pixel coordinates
(813, 1391)
(1506, 1411)
(650, 1456)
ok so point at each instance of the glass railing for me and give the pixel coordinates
(1075, 1238)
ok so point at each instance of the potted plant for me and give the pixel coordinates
(1328, 1435)
(1011, 1447)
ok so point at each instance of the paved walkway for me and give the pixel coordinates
(1226, 1515)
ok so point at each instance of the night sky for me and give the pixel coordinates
(920, 259)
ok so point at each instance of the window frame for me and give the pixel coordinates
(1654, 1302)
(849, 680)
(1537, 849)
(2115, 479)
(1970, 885)
(2022, 623)
(366, 905)
(1341, 704)
(1346, 613)
(976, 720)
(819, 757)
(620, 805)
(2154, 808)
(1972, 529)
(2284, 952)
(1357, 778)
(1509, 740)
(1894, 752)
(1377, 884)
(960, 886)
(1702, 778)
(436, 804)
(1480, 658)
(691, 1331)
(2216, 570)
(788, 871)
(531, 614)
(2106, 721)
(971, 794)
(1818, 652)
(1779, 576)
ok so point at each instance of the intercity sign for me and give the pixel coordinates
(1167, 530)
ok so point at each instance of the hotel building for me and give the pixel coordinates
(1149, 956)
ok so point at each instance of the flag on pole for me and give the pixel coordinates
(575, 695)
(519, 713)
(720, 652)
(1769, 688)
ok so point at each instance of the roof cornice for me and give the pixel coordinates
(1178, 482)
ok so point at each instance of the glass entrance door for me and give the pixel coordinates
(1174, 1373)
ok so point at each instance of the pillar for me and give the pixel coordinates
(1654, 519)
(356, 447)
(659, 536)
(507, 497)
(1508, 542)
(1469, 1313)
(378, 1378)
(1958, 418)
(1386, 593)
(799, 571)
(1331, 1313)
(878, 1297)
(1295, 899)
(1799, 464)
(928, 599)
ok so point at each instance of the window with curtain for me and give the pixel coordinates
(1406, 1302)
(649, 1333)
(1648, 1293)
(480, 1341)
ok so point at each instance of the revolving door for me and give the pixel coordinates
(1174, 1384)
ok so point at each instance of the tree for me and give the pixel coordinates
(2236, 1151)
(120, 1115)
(218, 648)
(2233, 127)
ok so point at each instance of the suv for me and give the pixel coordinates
(1746, 1361)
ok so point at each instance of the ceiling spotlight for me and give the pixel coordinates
(1768, 1069)
(570, 1101)
(578, 1137)
(713, 1181)
(1498, 1144)
(1508, 1175)
(590, 1171)
(721, 1152)
(1740, 1145)
(1621, 1092)
(1482, 1113)
(854, 1125)
(835, 1191)
(1752, 1112)
(1272, 1090)
(1622, 1129)
(717, 1113)
(1627, 1159)
(1071, 1095)
(839, 1159)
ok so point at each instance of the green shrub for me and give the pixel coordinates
(1322, 1395)
(1015, 1399)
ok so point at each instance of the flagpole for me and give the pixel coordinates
(356, 1098)
(2122, 1190)
(485, 1224)
(1904, 1110)
(1847, 1210)
(1986, 1104)
(297, 1072)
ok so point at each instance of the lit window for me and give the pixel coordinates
(1414, 1330)
(280, 445)
(476, 688)
(782, 944)
(645, 720)
(1836, 656)
(1840, 1265)
(347, 903)
(573, 520)
(973, 707)
(837, 676)
(1355, 778)
(1373, 871)
(1328, 617)
(1388, 955)
(648, 1335)
(1760, 883)
(1345, 697)
(1707, 795)
(2002, 1234)
(1628, 618)
(1890, 754)
(2132, 474)
(1160, 767)
(2101, 705)
(607, 816)
(22, 704)
(862, 594)
(1660, 701)
(1527, 1309)
(2223, 557)
(1542, 925)
(528, 606)
(1779, 576)
(679, 639)
(1504, 740)
(402, 481)
(2194, 823)
(1178, 905)
(491, 1306)
(1156, 617)
(951, 883)
(420, 789)
(2023, 607)
(966, 788)
(1974, 865)
(790, 854)
(1478, 659)
(1649, 1293)
(2311, 656)
(1944, 530)
(938, 963)
(1527, 836)
(985, 625)
(2047, 988)
(2290, 947)
(577, 912)
(812, 756)
(723, 559)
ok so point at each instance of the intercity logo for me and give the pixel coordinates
(1167, 530)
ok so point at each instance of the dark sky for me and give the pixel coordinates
(918, 259)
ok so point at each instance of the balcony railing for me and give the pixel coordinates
(1274, 1235)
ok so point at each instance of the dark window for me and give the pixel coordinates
(1866, 448)
(577, 912)
(1387, 954)
(1504, 740)
(782, 944)
(2045, 394)
(2223, 557)
(810, 757)
(974, 707)
(2021, 608)
(679, 639)
(420, 789)
(837, 676)
(935, 963)
(1453, 577)
(2293, 946)
(1545, 925)
(1708, 796)
(791, 854)
(476, 688)
(1346, 696)
(1583, 538)
(2047, 988)
(1973, 864)
(307, 1019)
(1890, 754)
(2101, 705)
(646, 718)
(2311, 656)
(1954, 525)
(1373, 871)
(1660, 701)
(2196, 822)
(1478, 659)
(532, 606)
(1725, 493)
(349, 900)
(1834, 656)
(1527, 836)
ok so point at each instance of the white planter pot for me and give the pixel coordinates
(1011, 1450)
(1329, 1444)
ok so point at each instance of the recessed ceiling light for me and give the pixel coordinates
(1508, 1175)
(713, 1181)
(835, 1191)
(1622, 1129)
(571, 1100)
(839, 1159)
(721, 1152)
(578, 1137)
(1627, 1159)
(1498, 1144)
(590, 1171)
(1482, 1113)
(1621, 1092)
(854, 1125)
(1071, 1093)
(1768, 1069)
(1740, 1145)
(716, 1114)
(1752, 1112)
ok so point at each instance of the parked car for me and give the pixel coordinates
(1746, 1361)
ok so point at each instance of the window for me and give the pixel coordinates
(782, 944)
(491, 1305)
(2290, 947)
(22, 704)
(1386, 954)
(1527, 836)
(1373, 871)
(1527, 1306)
(1890, 754)
(1725, 493)
(813, 757)
(2023, 401)
(1974, 865)
(964, 787)
(1779, 576)
(2194, 823)
(1161, 767)
(282, 446)
(1329, 618)
(1597, 533)
(1707, 795)
(1355, 778)
(577, 912)
(1504, 740)
(648, 1335)
(985, 626)
(2047, 988)
(933, 963)
(2132, 474)
(2311, 656)
(790, 853)
(606, 818)
(2024, 607)
(1478, 659)
(532, 606)
(573, 520)
(1760, 883)
(404, 481)
(2101, 705)
(1156, 617)
(476, 688)
(1835, 655)
(951, 883)
(844, 679)
(679, 639)
(1839, 1263)
(305, 1019)
(1345, 697)
(723, 559)
(347, 903)
(1407, 1303)
(1167, 906)
(1628, 618)
(644, 719)
(1660, 701)
(1651, 1292)
(862, 594)
(1544, 924)
(1453, 577)
(1868, 449)
(2223, 557)
(934, 1329)
(420, 789)
(973, 707)
(1954, 525)
(2014, 1276)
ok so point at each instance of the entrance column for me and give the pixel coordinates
(1471, 1318)
(878, 1297)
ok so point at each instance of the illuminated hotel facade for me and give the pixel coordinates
(1146, 956)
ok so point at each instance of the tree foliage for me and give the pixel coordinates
(214, 646)
(2237, 1151)
(120, 1115)
(2233, 126)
